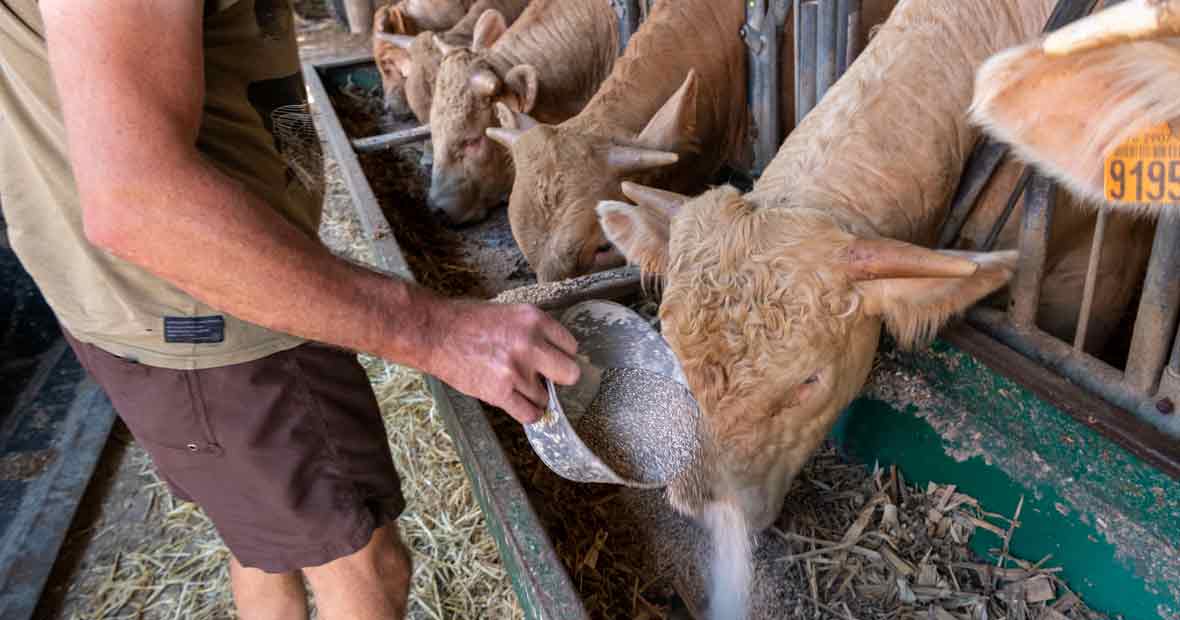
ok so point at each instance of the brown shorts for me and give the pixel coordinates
(286, 454)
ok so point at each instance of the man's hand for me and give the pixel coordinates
(497, 353)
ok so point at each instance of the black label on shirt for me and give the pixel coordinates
(194, 329)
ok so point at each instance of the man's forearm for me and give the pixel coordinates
(186, 222)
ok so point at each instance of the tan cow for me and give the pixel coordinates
(554, 223)
(678, 95)
(774, 300)
(548, 64)
(409, 63)
(1067, 102)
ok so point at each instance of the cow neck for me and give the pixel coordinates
(883, 152)
(676, 37)
(553, 36)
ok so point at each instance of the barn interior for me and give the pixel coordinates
(983, 477)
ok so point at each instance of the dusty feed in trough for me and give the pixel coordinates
(480, 260)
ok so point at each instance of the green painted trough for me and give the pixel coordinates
(1096, 488)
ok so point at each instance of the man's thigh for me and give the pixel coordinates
(286, 454)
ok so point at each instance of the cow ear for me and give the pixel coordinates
(488, 29)
(522, 81)
(673, 128)
(915, 308)
(641, 233)
(1134, 20)
(1067, 113)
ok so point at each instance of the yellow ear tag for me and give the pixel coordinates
(1145, 169)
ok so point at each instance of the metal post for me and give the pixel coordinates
(843, 8)
(806, 14)
(826, 64)
(1079, 336)
(762, 33)
(628, 14)
(1034, 243)
(1158, 306)
(1170, 380)
(853, 40)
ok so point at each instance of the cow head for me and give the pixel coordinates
(471, 173)
(775, 316)
(392, 37)
(562, 173)
(1067, 101)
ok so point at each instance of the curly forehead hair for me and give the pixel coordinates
(452, 82)
(751, 293)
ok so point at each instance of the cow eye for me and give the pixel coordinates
(812, 379)
(604, 248)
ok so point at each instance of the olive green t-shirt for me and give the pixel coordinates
(255, 128)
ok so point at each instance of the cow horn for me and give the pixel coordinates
(631, 159)
(402, 41)
(1128, 21)
(443, 47)
(666, 201)
(876, 259)
(484, 83)
(512, 119)
(503, 135)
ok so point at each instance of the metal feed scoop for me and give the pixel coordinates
(631, 419)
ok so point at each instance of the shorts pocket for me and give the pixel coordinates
(162, 407)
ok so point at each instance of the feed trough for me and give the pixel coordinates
(1096, 489)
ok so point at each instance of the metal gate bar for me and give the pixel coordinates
(827, 37)
(1079, 338)
(806, 38)
(762, 34)
(1158, 306)
(1034, 243)
(1145, 387)
(628, 12)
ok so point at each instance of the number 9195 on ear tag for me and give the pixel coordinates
(1145, 169)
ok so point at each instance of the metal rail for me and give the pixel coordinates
(385, 141)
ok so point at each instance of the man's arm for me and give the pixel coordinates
(130, 77)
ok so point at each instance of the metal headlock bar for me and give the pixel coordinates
(762, 34)
(827, 39)
(629, 13)
(1146, 387)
